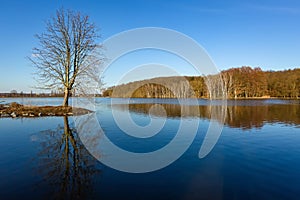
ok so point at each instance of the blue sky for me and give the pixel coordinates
(257, 33)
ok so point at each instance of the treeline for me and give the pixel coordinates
(162, 87)
(21, 94)
(37, 95)
(249, 82)
(243, 82)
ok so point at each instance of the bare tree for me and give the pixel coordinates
(215, 86)
(67, 55)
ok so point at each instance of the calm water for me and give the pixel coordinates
(256, 157)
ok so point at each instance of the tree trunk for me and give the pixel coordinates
(66, 97)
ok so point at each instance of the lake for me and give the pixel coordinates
(256, 156)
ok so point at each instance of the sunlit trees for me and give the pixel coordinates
(284, 84)
(243, 82)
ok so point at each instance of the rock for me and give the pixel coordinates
(31, 115)
(40, 114)
(25, 114)
(13, 115)
(5, 115)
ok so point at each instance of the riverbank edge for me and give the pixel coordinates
(15, 110)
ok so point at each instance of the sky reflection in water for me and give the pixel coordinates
(256, 157)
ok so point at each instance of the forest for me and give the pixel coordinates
(243, 82)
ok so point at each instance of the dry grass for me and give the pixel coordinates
(17, 110)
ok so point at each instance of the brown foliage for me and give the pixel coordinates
(244, 82)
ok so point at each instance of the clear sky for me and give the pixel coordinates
(257, 33)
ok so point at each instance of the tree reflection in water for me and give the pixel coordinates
(65, 164)
(245, 117)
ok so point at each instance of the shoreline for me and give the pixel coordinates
(238, 98)
(15, 110)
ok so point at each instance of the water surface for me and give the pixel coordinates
(256, 157)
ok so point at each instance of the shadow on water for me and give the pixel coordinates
(65, 165)
(245, 117)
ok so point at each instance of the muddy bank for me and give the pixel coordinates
(17, 110)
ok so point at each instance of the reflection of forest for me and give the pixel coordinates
(236, 116)
(65, 164)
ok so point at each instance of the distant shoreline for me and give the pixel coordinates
(42, 95)
(238, 98)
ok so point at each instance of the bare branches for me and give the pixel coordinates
(66, 50)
